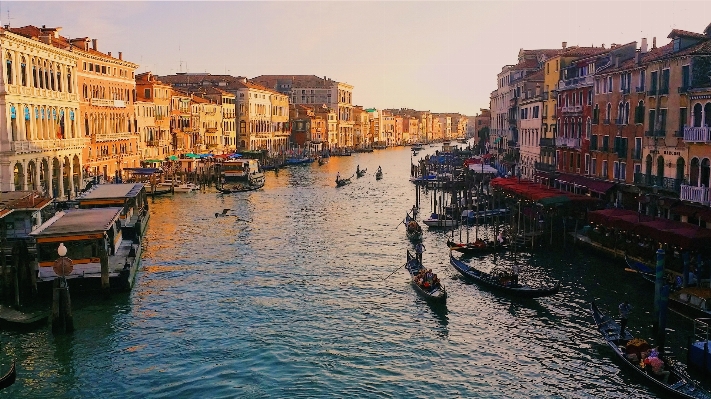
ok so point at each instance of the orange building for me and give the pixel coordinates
(150, 89)
(106, 110)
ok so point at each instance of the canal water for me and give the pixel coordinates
(286, 298)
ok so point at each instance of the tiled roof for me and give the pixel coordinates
(678, 32)
(199, 78)
(297, 81)
(582, 51)
(22, 199)
(526, 64)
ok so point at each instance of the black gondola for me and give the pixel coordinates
(378, 174)
(343, 182)
(412, 229)
(437, 293)
(497, 283)
(361, 172)
(9, 377)
(679, 383)
(240, 188)
(476, 248)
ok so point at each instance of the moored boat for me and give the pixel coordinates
(429, 288)
(440, 221)
(504, 282)
(478, 247)
(412, 229)
(239, 175)
(9, 377)
(678, 383)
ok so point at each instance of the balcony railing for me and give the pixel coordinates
(544, 167)
(547, 142)
(658, 133)
(569, 142)
(113, 136)
(639, 89)
(19, 147)
(580, 81)
(664, 183)
(100, 102)
(694, 194)
(572, 108)
(697, 134)
(621, 153)
(652, 92)
(625, 90)
(684, 89)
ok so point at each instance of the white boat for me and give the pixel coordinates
(442, 221)
(237, 175)
(179, 187)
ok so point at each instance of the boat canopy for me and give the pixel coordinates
(143, 171)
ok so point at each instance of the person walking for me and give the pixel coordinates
(625, 310)
(419, 249)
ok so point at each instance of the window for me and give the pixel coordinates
(147, 93)
(652, 120)
(603, 171)
(685, 77)
(639, 112)
(587, 163)
(606, 143)
(9, 69)
(665, 81)
(653, 83)
(535, 112)
(623, 170)
(593, 166)
(637, 168)
(23, 72)
(590, 92)
(615, 170)
(91, 67)
(641, 80)
(609, 84)
(682, 122)
(663, 120)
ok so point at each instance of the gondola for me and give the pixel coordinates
(323, 161)
(497, 283)
(478, 247)
(679, 384)
(343, 182)
(436, 294)
(412, 229)
(378, 174)
(361, 172)
(9, 377)
(646, 271)
(240, 188)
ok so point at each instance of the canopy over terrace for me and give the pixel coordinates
(537, 193)
(683, 235)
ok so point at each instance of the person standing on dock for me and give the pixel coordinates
(625, 310)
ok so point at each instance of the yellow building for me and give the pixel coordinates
(40, 141)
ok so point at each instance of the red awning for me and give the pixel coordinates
(598, 186)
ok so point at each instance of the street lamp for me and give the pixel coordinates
(61, 250)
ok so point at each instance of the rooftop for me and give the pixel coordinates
(107, 191)
(77, 221)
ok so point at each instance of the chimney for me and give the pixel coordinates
(93, 44)
(654, 42)
(120, 55)
(45, 38)
(109, 54)
(617, 61)
(637, 57)
(602, 45)
(643, 46)
(565, 44)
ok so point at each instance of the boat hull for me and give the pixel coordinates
(678, 384)
(489, 281)
(436, 295)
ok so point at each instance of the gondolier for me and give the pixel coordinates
(419, 249)
(625, 310)
(338, 176)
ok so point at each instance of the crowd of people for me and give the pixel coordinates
(638, 350)
(427, 280)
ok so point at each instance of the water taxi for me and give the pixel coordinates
(237, 175)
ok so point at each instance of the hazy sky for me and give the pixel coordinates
(437, 56)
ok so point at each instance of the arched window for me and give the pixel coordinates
(660, 166)
(46, 76)
(626, 120)
(648, 165)
(680, 168)
(694, 170)
(588, 128)
(707, 114)
(705, 172)
(52, 83)
(59, 80)
(69, 80)
(698, 115)
(23, 71)
(608, 115)
(35, 80)
(8, 64)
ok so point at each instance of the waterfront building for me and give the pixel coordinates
(388, 127)
(676, 148)
(410, 129)
(375, 120)
(301, 118)
(479, 126)
(227, 138)
(150, 90)
(181, 127)
(399, 140)
(313, 90)
(575, 117)
(616, 140)
(40, 142)
(553, 67)
(258, 127)
(362, 136)
(207, 123)
(146, 127)
(530, 123)
(106, 110)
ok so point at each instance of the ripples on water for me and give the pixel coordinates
(290, 302)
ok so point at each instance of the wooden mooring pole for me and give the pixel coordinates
(62, 319)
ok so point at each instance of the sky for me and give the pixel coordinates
(437, 56)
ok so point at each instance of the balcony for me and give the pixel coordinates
(100, 102)
(694, 194)
(639, 89)
(697, 134)
(113, 136)
(31, 146)
(547, 142)
(625, 90)
(606, 121)
(544, 167)
(664, 183)
(575, 82)
(545, 95)
(569, 142)
(684, 89)
(621, 153)
(658, 133)
(572, 108)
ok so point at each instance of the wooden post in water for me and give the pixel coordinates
(62, 319)
(104, 258)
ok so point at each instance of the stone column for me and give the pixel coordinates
(24, 176)
(71, 180)
(38, 166)
(50, 172)
(60, 179)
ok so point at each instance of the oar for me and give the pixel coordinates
(401, 222)
(395, 271)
